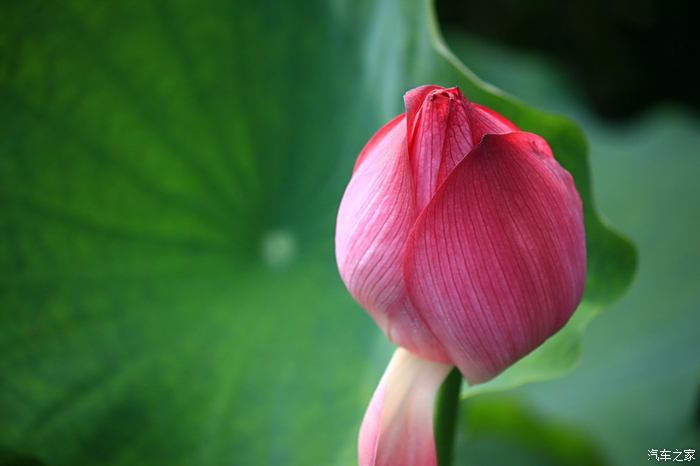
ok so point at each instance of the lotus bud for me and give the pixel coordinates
(463, 238)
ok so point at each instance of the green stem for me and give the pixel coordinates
(446, 417)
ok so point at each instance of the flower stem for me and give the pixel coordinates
(446, 417)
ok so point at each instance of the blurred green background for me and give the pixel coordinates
(169, 177)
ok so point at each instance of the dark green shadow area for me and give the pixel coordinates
(11, 458)
(497, 430)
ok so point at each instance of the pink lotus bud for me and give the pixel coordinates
(461, 236)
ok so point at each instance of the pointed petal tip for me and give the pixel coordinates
(531, 142)
(419, 93)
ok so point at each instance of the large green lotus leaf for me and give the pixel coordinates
(169, 175)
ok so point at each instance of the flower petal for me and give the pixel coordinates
(438, 137)
(374, 220)
(398, 425)
(378, 138)
(413, 101)
(443, 127)
(483, 121)
(496, 262)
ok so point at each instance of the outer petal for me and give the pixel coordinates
(374, 220)
(379, 138)
(496, 262)
(398, 425)
(483, 121)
